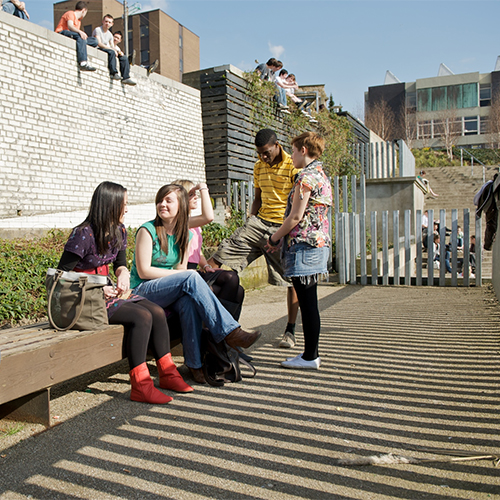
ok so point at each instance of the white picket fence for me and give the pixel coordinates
(401, 261)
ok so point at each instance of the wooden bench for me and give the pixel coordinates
(36, 357)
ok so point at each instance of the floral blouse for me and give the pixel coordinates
(313, 228)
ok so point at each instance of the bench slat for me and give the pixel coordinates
(30, 368)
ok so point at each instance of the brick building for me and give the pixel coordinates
(153, 35)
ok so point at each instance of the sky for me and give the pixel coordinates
(346, 45)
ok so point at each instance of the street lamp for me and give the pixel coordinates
(127, 11)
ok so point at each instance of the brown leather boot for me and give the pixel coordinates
(197, 374)
(241, 338)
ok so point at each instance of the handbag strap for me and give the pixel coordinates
(82, 282)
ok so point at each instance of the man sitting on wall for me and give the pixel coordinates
(69, 26)
(105, 42)
(15, 7)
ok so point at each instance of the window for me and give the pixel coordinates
(439, 98)
(485, 94)
(424, 99)
(424, 130)
(484, 125)
(449, 97)
(470, 97)
(411, 100)
(144, 30)
(144, 57)
(438, 128)
(88, 29)
(470, 125)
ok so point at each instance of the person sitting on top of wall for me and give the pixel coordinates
(15, 7)
(69, 26)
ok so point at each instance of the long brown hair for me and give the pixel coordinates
(181, 226)
(104, 216)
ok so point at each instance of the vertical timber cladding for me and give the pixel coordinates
(228, 130)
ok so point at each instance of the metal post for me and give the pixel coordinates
(418, 238)
(385, 247)
(466, 252)
(125, 24)
(430, 249)
(407, 247)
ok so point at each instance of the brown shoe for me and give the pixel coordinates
(197, 374)
(240, 338)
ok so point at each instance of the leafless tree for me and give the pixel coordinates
(408, 119)
(494, 122)
(449, 126)
(380, 118)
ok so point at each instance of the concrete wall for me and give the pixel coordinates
(62, 132)
(393, 194)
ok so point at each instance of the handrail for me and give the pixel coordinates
(472, 157)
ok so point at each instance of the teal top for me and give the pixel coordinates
(158, 258)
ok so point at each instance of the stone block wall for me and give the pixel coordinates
(63, 131)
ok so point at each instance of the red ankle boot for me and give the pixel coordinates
(170, 378)
(143, 389)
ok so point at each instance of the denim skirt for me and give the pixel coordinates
(304, 260)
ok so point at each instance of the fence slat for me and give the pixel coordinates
(362, 242)
(395, 235)
(479, 251)
(339, 229)
(418, 234)
(345, 194)
(385, 247)
(352, 243)
(374, 248)
(430, 249)
(407, 247)
(466, 263)
(454, 240)
(442, 247)
(354, 208)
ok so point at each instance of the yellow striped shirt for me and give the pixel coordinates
(275, 183)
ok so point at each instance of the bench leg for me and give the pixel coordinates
(31, 408)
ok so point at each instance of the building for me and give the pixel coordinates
(153, 35)
(435, 112)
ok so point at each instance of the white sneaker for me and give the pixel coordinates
(298, 363)
(288, 340)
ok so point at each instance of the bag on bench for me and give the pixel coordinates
(76, 300)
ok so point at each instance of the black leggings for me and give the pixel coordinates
(311, 323)
(145, 326)
(227, 287)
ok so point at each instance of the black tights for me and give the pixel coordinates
(145, 325)
(227, 287)
(311, 323)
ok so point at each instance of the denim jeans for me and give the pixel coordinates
(189, 295)
(124, 65)
(81, 44)
(281, 95)
(10, 8)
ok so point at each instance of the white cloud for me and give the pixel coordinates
(153, 5)
(276, 50)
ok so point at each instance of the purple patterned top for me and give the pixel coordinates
(82, 243)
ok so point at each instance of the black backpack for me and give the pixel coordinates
(222, 363)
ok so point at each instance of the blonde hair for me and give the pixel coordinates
(186, 184)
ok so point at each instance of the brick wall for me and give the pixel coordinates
(62, 132)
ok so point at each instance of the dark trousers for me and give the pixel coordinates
(81, 44)
(124, 64)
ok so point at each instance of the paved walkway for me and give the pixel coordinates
(405, 370)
